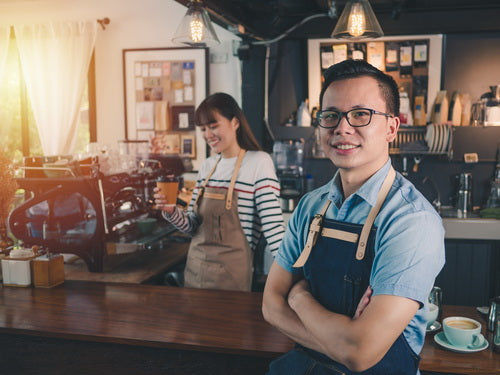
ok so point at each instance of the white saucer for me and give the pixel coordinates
(433, 327)
(441, 340)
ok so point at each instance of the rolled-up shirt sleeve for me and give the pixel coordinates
(410, 254)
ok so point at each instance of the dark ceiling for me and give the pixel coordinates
(267, 19)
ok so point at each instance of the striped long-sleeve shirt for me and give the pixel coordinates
(258, 190)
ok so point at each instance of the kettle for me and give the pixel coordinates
(495, 91)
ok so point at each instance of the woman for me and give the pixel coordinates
(234, 202)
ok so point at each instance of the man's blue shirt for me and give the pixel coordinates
(409, 244)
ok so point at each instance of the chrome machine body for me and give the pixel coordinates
(89, 214)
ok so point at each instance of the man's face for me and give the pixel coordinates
(361, 150)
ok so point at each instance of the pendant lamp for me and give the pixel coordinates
(195, 29)
(357, 21)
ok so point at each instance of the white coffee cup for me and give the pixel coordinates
(431, 314)
(463, 332)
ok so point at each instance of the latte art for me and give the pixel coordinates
(462, 324)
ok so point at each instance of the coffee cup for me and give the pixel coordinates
(168, 186)
(463, 332)
(431, 314)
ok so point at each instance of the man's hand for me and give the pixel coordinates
(302, 286)
(365, 300)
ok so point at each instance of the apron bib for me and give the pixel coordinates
(219, 255)
(337, 261)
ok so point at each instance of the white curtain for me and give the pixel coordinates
(4, 47)
(55, 59)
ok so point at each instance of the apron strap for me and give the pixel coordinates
(365, 231)
(229, 198)
(201, 190)
(314, 230)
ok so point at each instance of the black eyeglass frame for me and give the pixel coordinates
(345, 114)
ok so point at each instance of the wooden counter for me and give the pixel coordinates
(91, 319)
(437, 359)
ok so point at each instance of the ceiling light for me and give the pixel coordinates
(195, 29)
(357, 21)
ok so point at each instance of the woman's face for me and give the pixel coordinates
(221, 135)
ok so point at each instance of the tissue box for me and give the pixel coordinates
(16, 272)
(48, 271)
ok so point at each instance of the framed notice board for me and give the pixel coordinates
(413, 61)
(162, 88)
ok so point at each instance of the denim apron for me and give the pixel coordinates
(337, 261)
(219, 255)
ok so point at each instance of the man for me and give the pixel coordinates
(360, 254)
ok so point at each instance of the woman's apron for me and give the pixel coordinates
(338, 271)
(219, 256)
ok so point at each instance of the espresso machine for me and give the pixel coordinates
(288, 155)
(79, 209)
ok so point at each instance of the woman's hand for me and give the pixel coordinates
(160, 202)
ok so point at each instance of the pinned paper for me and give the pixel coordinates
(155, 70)
(186, 77)
(188, 93)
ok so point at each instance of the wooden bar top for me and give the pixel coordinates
(181, 318)
(144, 315)
(438, 359)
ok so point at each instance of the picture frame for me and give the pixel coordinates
(162, 88)
(182, 117)
(188, 146)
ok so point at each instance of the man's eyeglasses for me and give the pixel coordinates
(356, 117)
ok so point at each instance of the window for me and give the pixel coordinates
(18, 129)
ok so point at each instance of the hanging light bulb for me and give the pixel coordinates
(357, 21)
(195, 29)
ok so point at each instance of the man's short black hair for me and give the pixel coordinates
(360, 68)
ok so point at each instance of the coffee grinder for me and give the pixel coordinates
(288, 155)
(464, 194)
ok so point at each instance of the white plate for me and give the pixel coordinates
(441, 340)
(433, 327)
(429, 136)
(432, 146)
(446, 137)
(439, 138)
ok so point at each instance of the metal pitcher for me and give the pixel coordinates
(493, 313)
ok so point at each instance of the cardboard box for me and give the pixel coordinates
(48, 271)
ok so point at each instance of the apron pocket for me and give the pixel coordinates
(352, 294)
(218, 227)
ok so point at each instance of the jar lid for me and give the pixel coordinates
(21, 253)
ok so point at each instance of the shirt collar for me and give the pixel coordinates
(368, 191)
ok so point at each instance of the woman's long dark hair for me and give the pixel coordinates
(226, 106)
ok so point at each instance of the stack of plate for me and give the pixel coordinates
(438, 137)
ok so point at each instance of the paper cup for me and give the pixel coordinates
(169, 190)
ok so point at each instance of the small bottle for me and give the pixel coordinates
(303, 115)
(309, 182)
(317, 149)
